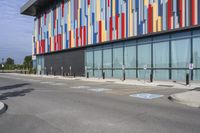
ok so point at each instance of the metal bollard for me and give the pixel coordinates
(103, 75)
(187, 79)
(87, 74)
(40, 73)
(124, 76)
(151, 77)
(74, 75)
(47, 73)
(54, 73)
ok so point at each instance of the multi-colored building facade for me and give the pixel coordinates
(94, 26)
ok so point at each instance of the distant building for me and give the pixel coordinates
(113, 37)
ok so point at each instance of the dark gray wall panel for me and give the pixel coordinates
(75, 59)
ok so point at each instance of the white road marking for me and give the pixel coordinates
(80, 87)
(46, 82)
(147, 96)
(99, 89)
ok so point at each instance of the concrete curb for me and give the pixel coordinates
(3, 108)
(173, 98)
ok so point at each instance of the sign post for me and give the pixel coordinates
(191, 67)
(145, 71)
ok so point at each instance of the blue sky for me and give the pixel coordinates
(15, 31)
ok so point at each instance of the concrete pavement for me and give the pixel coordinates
(51, 105)
(190, 98)
(137, 82)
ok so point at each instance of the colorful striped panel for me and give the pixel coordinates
(77, 23)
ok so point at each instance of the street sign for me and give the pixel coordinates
(145, 67)
(191, 66)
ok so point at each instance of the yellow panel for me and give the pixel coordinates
(98, 10)
(130, 19)
(155, 16)
(146, 2)
(159, 23)
(113, 7)
(69, 14)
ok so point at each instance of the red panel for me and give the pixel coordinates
(100, 31)
(63, 7)
(150, 19)
(76, 37)
(88, 2)
(181, 11)
(45, 18)
(169, 14)
(84, 31)
(54, 43)
(81, 35)
(108, 3)
(193, 12)
(70, 39)
(110, 28)
(117, 25)
(123, 25)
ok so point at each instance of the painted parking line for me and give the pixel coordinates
(80, 87)
(46, 82)
(99, 90)
(146, 96)
(57, 84)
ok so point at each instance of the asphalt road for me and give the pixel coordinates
(42, 105)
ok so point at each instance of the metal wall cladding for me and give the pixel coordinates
(76, 23)
(70, 62)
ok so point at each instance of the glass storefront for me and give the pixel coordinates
(167, 57)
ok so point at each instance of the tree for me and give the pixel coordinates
(10, 61)
(28, 62)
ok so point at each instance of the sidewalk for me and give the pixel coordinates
(169, 84)
(190, 98)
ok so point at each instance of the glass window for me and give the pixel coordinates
(118, 57)
(181, 53)
(130, 74)
(196, 52)
(118, 74)
(98, 59)
(144, 59)
(107, 58)
(161, 74)
(89, 60)
(161, 55)
(108, 73)
(196, 57)
(197, 74)
(161, 60)
(130, 57)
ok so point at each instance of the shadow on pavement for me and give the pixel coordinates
(13, 86)
(23, 92)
